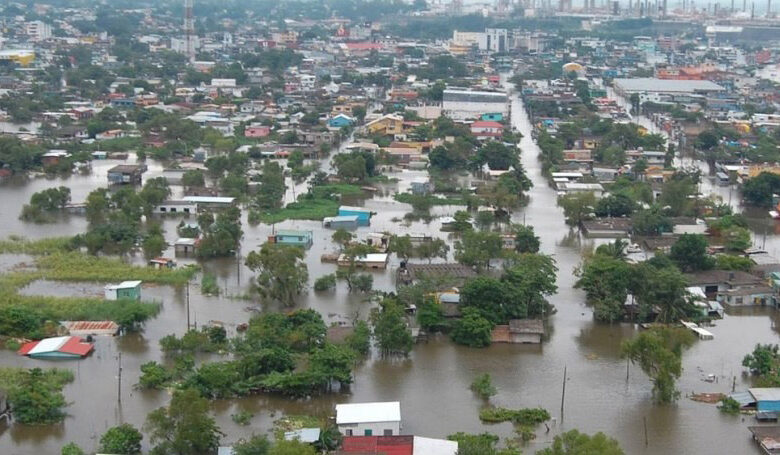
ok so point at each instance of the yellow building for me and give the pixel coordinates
(387, 125)
(756, 169)
(19, 56)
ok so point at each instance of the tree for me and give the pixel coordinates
(497, 156)
(98, 205)
(662, 287)
(436, 248)
(184, 427)
(401, 246)
(390, 330)
(575, 443)
(222, 236)
(763, 360)
(154, 192)
(758, 190)
(71, 449)
(462, 221)
(281, 272)
(37, 399)
(577, 207)
(334, 363)
(526, 240)
(483, 386)
(676, 193)
(479, 444)
(651, 221)
(477, 248)
(256, 445)
(294, 447)
(737, 238)
(605, 280)
(689, 252)
(706, 140)
(343, 238)
(472, 329)
(124, 439)
(325, 282)
(531, 279)
(272, 187)
(615, 205)
(658, 352)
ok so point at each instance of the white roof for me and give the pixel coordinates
(185, 241)
(124, 285)
(389, 411)
(374, 257)
(430, 446)
(48, 345)
(209, 199)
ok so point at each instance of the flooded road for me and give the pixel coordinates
(432, 384)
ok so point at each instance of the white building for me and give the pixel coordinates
(369, 419)
(494, 40)
(459, 104)
(180, 44)
(37, 30)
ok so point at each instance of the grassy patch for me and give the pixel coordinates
(75, 266)
(20, 245)
(304, 209)
(527, 416)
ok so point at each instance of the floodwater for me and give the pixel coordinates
(432, 384)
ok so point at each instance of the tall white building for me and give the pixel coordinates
(37, 30)
(494, 40)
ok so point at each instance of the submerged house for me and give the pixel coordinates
(369, 261)
(303, 239)
(363, 215)
(368, 419)
(519, 331)
(126, 173)
(57, 348)
(123, 290)
(341, 222)
(185, 246)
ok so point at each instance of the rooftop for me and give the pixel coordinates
(651, 84)
(389, 411)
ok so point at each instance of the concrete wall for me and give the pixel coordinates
(377, 428)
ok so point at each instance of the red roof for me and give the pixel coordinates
(384, 445)
(72, 345)
(484, 124)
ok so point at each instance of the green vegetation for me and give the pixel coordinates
(321, 201)
(730, 406)
(325, 282)
(207, 339)
(242, 417)
(35, 395)
(483, 386)
(527, 416)
(21, 245)
(575, 443)
(390, 330)
(281, 273)
(658, 352)
(480, 444)
(124, 439)
(758, 190)
(764, 363)
(184, 427)
(419, 202)
(208, 284)
(43, 203)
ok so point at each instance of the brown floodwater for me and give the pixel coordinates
(432, 384)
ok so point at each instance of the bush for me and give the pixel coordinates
(325, 282)
(729, 405)
(526, 416)
(242, 417)
(472, 329)
(483, 386)
(124, 439)
(208, 285)
(363, 282)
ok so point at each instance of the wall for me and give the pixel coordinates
(377, 428)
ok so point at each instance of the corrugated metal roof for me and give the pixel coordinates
(765, 393)
(389, 411)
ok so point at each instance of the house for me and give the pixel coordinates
(185, 246)
(606, 227)
(492, 117)
(767, 399)
(302, 239)
(257, 131)
(176, 207)
(768, 438)
(750, 295)
(93, 328)
(340, 120)
(715, 282)
(364, 215)
(487, 129)
(123, 290)
(378, 240)
(688, 225)
(422, 188)
(411, 273)
(387, 125)
(341, 222)
(210, 202)
(519, 331)
(57, 348)
(126, 173)
(577, 187)
(53, 157)
(397, 445)
(369, 261)
(365, 419)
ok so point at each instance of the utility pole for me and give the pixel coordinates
(119, 381)
(563, 392)
(188, 306)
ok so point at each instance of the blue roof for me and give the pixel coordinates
(294, 233)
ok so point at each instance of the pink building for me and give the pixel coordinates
(485, 129)
(257, 131)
